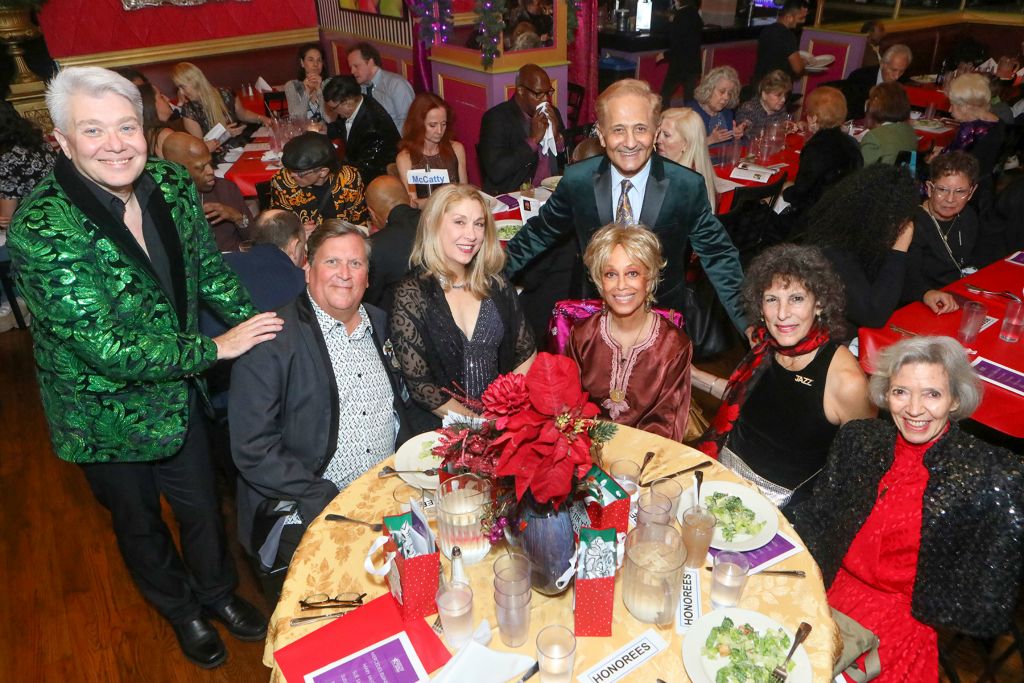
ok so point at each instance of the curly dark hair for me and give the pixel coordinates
(802, 264)
(862, 214)
(16, 131)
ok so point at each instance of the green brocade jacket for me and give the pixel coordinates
(115, 353)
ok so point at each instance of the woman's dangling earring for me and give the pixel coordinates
(649, 301)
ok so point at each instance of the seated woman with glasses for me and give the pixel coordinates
(456, 323)
(634, 363)
(427, 144)
(949, 242)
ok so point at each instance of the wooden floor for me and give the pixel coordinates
(70, 611)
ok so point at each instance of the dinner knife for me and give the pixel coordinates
(706, 463)
(798, 573)
(534, 668)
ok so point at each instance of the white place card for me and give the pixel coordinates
(689, 601)
(421, 176)
(628, 658)
(257, 147)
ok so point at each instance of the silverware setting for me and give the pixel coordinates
(298, 621)
(389, 471)
(798, 573)
(990, 292)
(529, 673)
(779, 674)
(706, 463)
(343, 518)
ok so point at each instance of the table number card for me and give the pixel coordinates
(630, 657)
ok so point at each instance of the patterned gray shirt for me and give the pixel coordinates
(367, 425)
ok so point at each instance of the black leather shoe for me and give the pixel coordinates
(200, 643)
(243, 620)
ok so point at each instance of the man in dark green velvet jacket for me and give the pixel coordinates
(663, 196)
(112, 254)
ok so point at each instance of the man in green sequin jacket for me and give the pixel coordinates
(112, 254)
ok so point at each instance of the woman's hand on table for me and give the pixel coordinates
(235, 128)
(719, 134)
(940, 302)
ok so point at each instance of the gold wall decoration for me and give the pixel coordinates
(142, 4)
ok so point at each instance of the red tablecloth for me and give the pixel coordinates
(923, 95)
(999, 409)
(249, 170)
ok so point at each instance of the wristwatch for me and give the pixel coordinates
(244, 223)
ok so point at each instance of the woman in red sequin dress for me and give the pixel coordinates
(916, 524)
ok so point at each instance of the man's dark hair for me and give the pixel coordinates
(341, 88)
(367, 51)
(277, 227)
(131, 73)
(792, 7)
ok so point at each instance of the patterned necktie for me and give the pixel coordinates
(369, 90)
(624, 212)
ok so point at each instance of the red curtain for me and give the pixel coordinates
(583, 58)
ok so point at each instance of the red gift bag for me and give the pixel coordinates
(413, 581)
(594, 599)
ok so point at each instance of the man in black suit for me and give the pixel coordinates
(319, 407)
(633, 186)
(893, 67)
(394, 220)
(512, 149)
(369, 133)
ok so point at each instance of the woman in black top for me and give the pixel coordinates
(785, 401)
(864, 226)
(456, 323)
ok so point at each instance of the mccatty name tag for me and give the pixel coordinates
(435, 176)
(625, 660)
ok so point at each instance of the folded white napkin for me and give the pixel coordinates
(547, 143)
(480, 664)
(222, 169)
(988, 66)
(262, 85)
(271, 156)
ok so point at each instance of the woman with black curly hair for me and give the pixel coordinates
(865, 224)
(786, 400)
(24, 157)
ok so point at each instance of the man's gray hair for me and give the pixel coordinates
(89, 80)
(964, 385)
(897, 49)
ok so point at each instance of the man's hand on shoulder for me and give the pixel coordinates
(240, 338)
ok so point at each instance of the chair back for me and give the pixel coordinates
(263, 195)
(568, 312)
(276, 104)
(574, 102)
(745, 196)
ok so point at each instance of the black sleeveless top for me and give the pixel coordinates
(782, 432)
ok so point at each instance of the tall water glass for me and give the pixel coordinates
(462, 502)
(653, 508)
(1013, 321)
(970, 322)
(513, 614)
(652, 573)
(671, 489)
(556, 654)
(698, 526)
(512, 573)
(455, 607)
(728, 578)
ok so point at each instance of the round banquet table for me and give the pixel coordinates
(330, 557)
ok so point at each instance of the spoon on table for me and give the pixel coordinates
(388, 471)
(699, 476)
(648, 457)
(343, 518)
(990, 292)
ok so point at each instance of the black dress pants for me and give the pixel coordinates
(131, 491)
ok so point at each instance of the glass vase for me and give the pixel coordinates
(545, 535)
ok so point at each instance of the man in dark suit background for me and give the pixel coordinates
(632, 185)
(511, 135)
(369, 133)
(319, 407)
(394, 221)
(893, 67)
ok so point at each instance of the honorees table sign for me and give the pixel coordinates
(618, 665)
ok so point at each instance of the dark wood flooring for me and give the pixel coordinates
(70, 611)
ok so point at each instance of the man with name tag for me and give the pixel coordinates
(632, 185)
(390, 89)
(315, 185)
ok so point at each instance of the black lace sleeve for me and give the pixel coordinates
(525, 343)
(408, 335)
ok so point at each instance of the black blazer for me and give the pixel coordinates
(829, 155)
(372, 143)
(283, 415)
(857, 86)
(389, 259)
(506, 161)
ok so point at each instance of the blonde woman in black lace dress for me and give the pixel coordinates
(456, 322)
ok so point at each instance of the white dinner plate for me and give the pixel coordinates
(815, 69)
(507, 228)
(763, 510)
(551, 183)
(411, 457)
(703, 670)
(924, 79)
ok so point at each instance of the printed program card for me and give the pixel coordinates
(392, 660)
(775, 551)
(1000, 375)
(1017, 258)
(631, 656)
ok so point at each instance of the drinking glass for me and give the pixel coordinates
(698, 529)
(513, 615)
(556, 654)
(1013, 321)
(653, 508)
(734, 151)
(404, 494)
(455, 607)
(462, 502)
(970, 321)
(671, 489)
(728, 578)
(512, 573)
(652, 573)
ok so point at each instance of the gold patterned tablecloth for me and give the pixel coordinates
(330, 560)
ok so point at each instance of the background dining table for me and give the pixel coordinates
(1000, 408)
(330, 558)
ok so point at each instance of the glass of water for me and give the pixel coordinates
(1013, 321)
(455, 607)
(556, 654)
(728, 579)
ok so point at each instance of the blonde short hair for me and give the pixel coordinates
(688, 125)
(971, 91)
(427, 252)
(627, 86)
(186, 73)
(640, 244)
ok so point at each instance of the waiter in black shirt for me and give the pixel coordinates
(778, 46)
(683, 54)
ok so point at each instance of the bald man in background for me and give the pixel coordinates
(394, 223)
(222, 200)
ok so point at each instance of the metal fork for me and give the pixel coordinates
(343, 518)
(779, 674)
